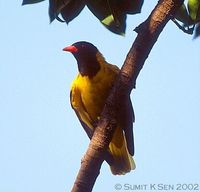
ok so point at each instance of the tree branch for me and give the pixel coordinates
(148, 33)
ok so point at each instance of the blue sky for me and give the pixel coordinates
(41, 140)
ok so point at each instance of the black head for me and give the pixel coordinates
(86, 56)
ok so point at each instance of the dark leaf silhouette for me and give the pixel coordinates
(25, 2)
(111, 13)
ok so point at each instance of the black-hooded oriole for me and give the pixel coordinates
(89, 91)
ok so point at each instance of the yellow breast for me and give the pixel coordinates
(94, 91)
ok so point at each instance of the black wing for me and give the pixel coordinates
(127, 117)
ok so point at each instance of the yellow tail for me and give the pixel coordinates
(123, 161)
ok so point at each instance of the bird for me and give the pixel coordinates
(88, 94)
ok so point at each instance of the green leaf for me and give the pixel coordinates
(25, 2)
(194, 9)
(55, 7)
(197, 31)
(198, 14)
(118, 28)
(183, 16)
(110, 14)
(69, 9)
(72, 10)
(131, 6)
(101, 9)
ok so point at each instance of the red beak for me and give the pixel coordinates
(71, 49)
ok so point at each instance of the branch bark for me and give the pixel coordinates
(148, 33)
